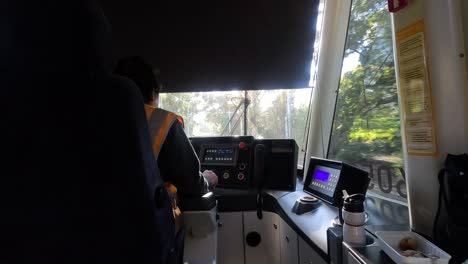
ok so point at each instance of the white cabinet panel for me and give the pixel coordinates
(289, 244)
(307, 255)
(230, 239)
(268, 251)
(279, 242)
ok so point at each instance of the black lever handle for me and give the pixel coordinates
(259, 176)
(259, 206)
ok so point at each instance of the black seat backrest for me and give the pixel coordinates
(78, 176)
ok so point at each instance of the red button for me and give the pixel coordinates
(242, 146)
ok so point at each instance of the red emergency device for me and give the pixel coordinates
(396, 5)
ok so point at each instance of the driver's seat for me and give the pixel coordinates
(79, 183)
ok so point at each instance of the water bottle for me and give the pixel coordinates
(354, 219)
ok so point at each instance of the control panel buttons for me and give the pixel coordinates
(241, 176)
(226, 175)
(328, 185)
(243, 146)
(242, 166)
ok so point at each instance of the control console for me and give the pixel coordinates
(244, 162)
(229, 157)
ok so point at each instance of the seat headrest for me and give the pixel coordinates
(53, 36)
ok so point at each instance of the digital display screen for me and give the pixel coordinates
(219, 155)
(324, 180)
(321, 175)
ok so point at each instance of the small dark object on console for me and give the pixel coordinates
(306, 204)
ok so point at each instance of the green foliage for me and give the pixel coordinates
(271, 114)
(185, 105)
(220, 107)
(367, 114)
(370, 135)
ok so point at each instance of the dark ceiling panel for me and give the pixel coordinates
(219, 45)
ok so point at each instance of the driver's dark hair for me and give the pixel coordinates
(142, 73)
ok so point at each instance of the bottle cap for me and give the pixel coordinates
(354, 203)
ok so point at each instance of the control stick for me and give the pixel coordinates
(259, 176)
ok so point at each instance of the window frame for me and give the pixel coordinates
(335, 105)
(336, 16)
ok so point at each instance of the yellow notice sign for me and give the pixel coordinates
(415, 91)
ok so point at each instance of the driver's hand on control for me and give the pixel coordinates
(211, 178)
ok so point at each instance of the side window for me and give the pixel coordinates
(366, 126)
